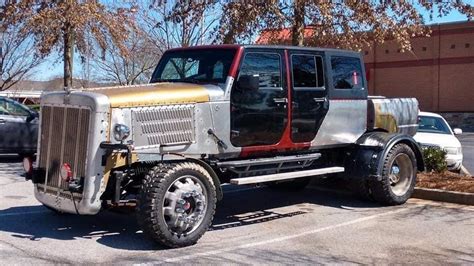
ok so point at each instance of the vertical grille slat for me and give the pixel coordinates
(64, 137)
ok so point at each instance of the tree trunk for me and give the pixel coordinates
(298, 24)
(229, 37)
(68, 56)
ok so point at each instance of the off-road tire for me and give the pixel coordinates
(151, 197)
(382, 190)
(294, 185)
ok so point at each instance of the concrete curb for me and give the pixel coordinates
(443, 195)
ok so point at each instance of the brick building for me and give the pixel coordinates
(439, 71)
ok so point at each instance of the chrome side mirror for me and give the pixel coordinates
(457, 131)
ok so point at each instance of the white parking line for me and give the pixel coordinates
(284, 238)
(22, 213)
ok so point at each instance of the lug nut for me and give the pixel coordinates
(181, 201)
(179, 210)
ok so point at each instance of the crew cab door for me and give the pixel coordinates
(308, 93)
(259, 100)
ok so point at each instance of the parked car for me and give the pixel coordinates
(18, 128)
(433, 130)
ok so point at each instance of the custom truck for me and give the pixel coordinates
(239, 114)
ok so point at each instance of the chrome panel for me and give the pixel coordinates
(395, 115)
(97, 132)
(159, 125)
(344, 123)
(214, 115)
(216, 93)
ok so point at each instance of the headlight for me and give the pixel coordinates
(121, 132)
(453, 150)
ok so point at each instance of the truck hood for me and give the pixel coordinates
(156, 94)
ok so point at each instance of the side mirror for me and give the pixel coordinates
(248, 82)
(457, 131)
(31, 116)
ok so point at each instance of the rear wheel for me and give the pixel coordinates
(398, 176)
(176, 203)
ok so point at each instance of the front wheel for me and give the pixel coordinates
(176, 203)
(398, 176)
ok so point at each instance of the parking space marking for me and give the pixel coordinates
(285, 238)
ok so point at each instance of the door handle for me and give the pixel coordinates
(320, 100)
(2, 121)
(280, 100)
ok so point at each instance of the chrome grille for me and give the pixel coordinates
(163, 125)
(64, 136)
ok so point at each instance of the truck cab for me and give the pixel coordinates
(240, 114)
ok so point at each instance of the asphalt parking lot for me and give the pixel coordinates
(467, 142)
(252, 226)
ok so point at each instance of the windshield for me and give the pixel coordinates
(197, 66)
(431, 124)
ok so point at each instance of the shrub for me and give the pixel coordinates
(435, 159)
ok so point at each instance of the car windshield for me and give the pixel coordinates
(194, 65)
(431, 124)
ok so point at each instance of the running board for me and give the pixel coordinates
(285, 176)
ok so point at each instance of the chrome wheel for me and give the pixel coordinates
(184, 205)
(401, 174)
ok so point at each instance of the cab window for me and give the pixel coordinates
(307, 71)
(346, 72)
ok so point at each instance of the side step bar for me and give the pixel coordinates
(272, 160)
(285, 176)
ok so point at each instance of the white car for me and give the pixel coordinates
(433, 130)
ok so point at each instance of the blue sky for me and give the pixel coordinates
(53, 66)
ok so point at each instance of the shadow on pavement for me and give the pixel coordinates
(120, 231)
(10, 158)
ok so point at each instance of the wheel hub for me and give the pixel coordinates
(184, 205)
(401, 174)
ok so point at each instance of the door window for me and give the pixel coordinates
(264, 65)
(346, 72)
(12, 108)
(307, 71)
(258, 108)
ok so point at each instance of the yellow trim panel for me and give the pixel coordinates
(155, 94)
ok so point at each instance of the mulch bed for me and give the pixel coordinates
(446, 181)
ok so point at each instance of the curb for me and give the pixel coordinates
(443, 195)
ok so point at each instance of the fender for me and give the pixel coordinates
(365, 158)
(215, 178)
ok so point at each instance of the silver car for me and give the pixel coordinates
(18, 128)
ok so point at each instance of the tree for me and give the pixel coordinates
(17, 57)
(67, 24)
(135, 68)
(344, 24)
(181, 23)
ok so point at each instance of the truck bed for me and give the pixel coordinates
(392, 114)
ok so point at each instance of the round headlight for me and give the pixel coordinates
(121, 132)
